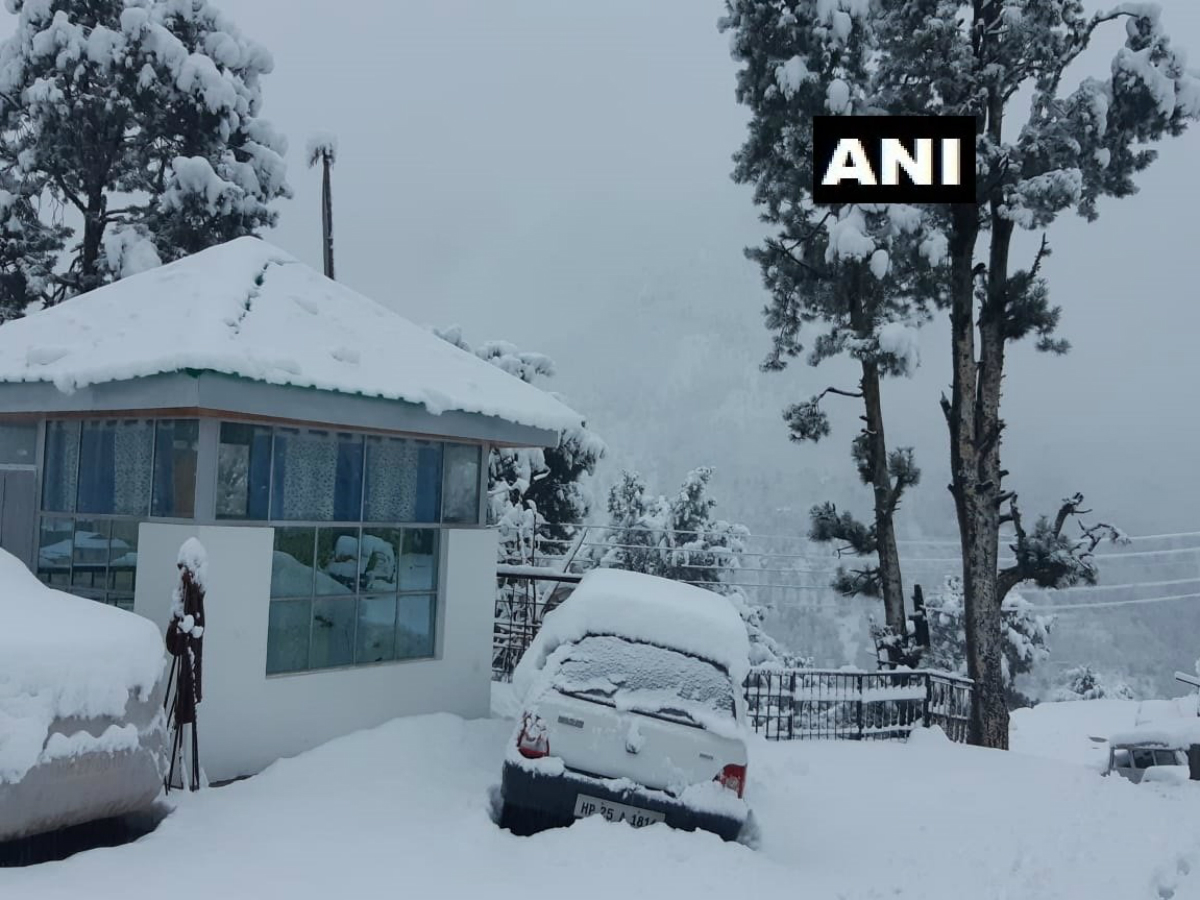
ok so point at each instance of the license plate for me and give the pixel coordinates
(615, 812)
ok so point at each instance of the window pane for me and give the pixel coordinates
(175, 447)
(461, 502)
(89, 558)
(414, 627)
(243, 472)
(333, 632)
(287, 635)
(61, 468)
(378, 559)
(376, 640)
(305, 475)
(54, 551)
(122, 557)
(403, 480)
(115, 467)
(418, 560)
(18, 443)
(337, 561)
(292, 562)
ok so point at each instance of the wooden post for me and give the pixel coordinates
(1194, 762)
(327, 214)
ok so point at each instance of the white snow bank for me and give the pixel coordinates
(63, 656)
(645, 608)
(839, 819)
(248, 309)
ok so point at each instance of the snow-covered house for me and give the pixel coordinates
(328, 453)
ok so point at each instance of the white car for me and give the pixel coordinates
(82, 726)
(633, 710)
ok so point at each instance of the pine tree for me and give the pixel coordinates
(678, 538)
(943, 57)
(1065, 151)
(142, 119)
(861, 278)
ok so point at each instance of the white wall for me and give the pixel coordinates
(247, 720)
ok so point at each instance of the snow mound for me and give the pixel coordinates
(63, 656)
(232, 309)
(644, 608)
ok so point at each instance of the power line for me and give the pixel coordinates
(1110, 587)
(1069, 607)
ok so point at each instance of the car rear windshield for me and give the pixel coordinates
(646, 678)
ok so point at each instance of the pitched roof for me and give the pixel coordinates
(249, 309)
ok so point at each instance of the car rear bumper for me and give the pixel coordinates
(555, 796)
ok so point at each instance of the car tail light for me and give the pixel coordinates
(532, 742)
(734, 778)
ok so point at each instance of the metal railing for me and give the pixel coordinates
(808, 704)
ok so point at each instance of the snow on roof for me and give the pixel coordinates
(249, 309)
(1166, 732)
(63, 656)
(644, 608)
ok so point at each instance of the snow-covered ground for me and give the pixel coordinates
(404, 808)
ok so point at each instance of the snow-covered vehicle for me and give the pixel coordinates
(632, 709)
(82, 727)
(1146, 759)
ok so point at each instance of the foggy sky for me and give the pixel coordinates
(538, 171)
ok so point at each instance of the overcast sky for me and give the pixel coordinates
(536, 170)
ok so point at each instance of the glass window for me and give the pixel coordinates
(378, 560)
(461, 492)
(243, 471)
(288, 632)
(18, 443)
(175, 447)
(403, 480)
(333, 624)
(54, 551)
(60, 469)
(337, 561)
(1121, 759)
(122, 556)
(121, 601)
(419, 559)
(292, 568)
(304, 475)
(1143, 759)
(89, 556)
(115, 466)
(414, 626)
(376, 640)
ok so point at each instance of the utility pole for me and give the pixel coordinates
(322, 148)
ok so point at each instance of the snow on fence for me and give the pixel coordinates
(799, 704)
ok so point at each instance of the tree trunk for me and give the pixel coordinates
(972, 414)
(93, 235)
(891, 582)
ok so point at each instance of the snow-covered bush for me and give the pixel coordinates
(1085, 683)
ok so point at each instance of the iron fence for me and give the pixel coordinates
(799, 704)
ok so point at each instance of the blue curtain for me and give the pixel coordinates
(163, 502)
(429, 483)
(347, 497)
(259, 478)
(97, 469)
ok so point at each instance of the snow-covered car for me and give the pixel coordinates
(631, 709)
(82, 727)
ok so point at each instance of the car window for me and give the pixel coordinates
(650, 679)
(1121, 759)
(1143, 759)
(1168, 758)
